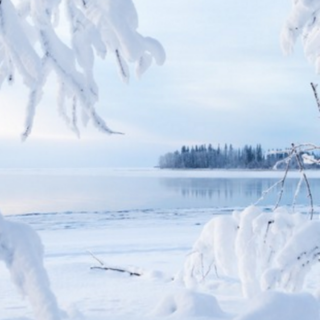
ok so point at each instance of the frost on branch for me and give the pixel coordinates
(304, 21)
(30, 43)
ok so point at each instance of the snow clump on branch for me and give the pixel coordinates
(30, 43)
(304, 21)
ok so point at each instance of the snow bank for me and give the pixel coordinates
(22, 251)
(282, 306)
(190, 304)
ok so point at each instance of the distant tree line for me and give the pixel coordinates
(226, 157)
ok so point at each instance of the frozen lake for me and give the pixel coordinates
(101, 190)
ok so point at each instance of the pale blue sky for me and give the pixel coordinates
(225, 81)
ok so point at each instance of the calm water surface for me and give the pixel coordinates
(32, 191)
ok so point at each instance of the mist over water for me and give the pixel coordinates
(97, 190)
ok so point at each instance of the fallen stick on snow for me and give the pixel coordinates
(104, 267)
(131, 273)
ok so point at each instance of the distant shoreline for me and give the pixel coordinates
(234, 169)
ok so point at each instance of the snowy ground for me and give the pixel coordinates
(153, 242)
(156, 242)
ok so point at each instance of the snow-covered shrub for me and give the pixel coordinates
(22, 251)
(246, 251)
(295, 260)
(264, 250)
(213, 252)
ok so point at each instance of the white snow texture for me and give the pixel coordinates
(190, 304)
(31, 44)
(304, 21)
(278, 306)
(264, 250)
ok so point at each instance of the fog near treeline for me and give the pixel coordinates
(226, 157)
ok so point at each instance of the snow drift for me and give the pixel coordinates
(190, 304)
(279, 306)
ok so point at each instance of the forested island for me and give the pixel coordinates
(228, 157)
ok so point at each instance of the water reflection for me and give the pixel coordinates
(24, 192)
(239, 191)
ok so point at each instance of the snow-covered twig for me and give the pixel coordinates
(300, 154)
(265, 192)
(314, 89)
(303, 173)
(282, 181)
(107, 268)
(131, 273)
(297, 193)
(96, 258)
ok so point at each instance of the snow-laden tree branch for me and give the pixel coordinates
(304, 21)
(31, 45)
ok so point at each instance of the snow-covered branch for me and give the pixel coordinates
(30, 43)
(301, 155)
(303, 21)
(315, 93)
(102, 266)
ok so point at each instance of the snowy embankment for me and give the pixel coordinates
(158, 244)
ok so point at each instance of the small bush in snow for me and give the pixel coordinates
(264, 250)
